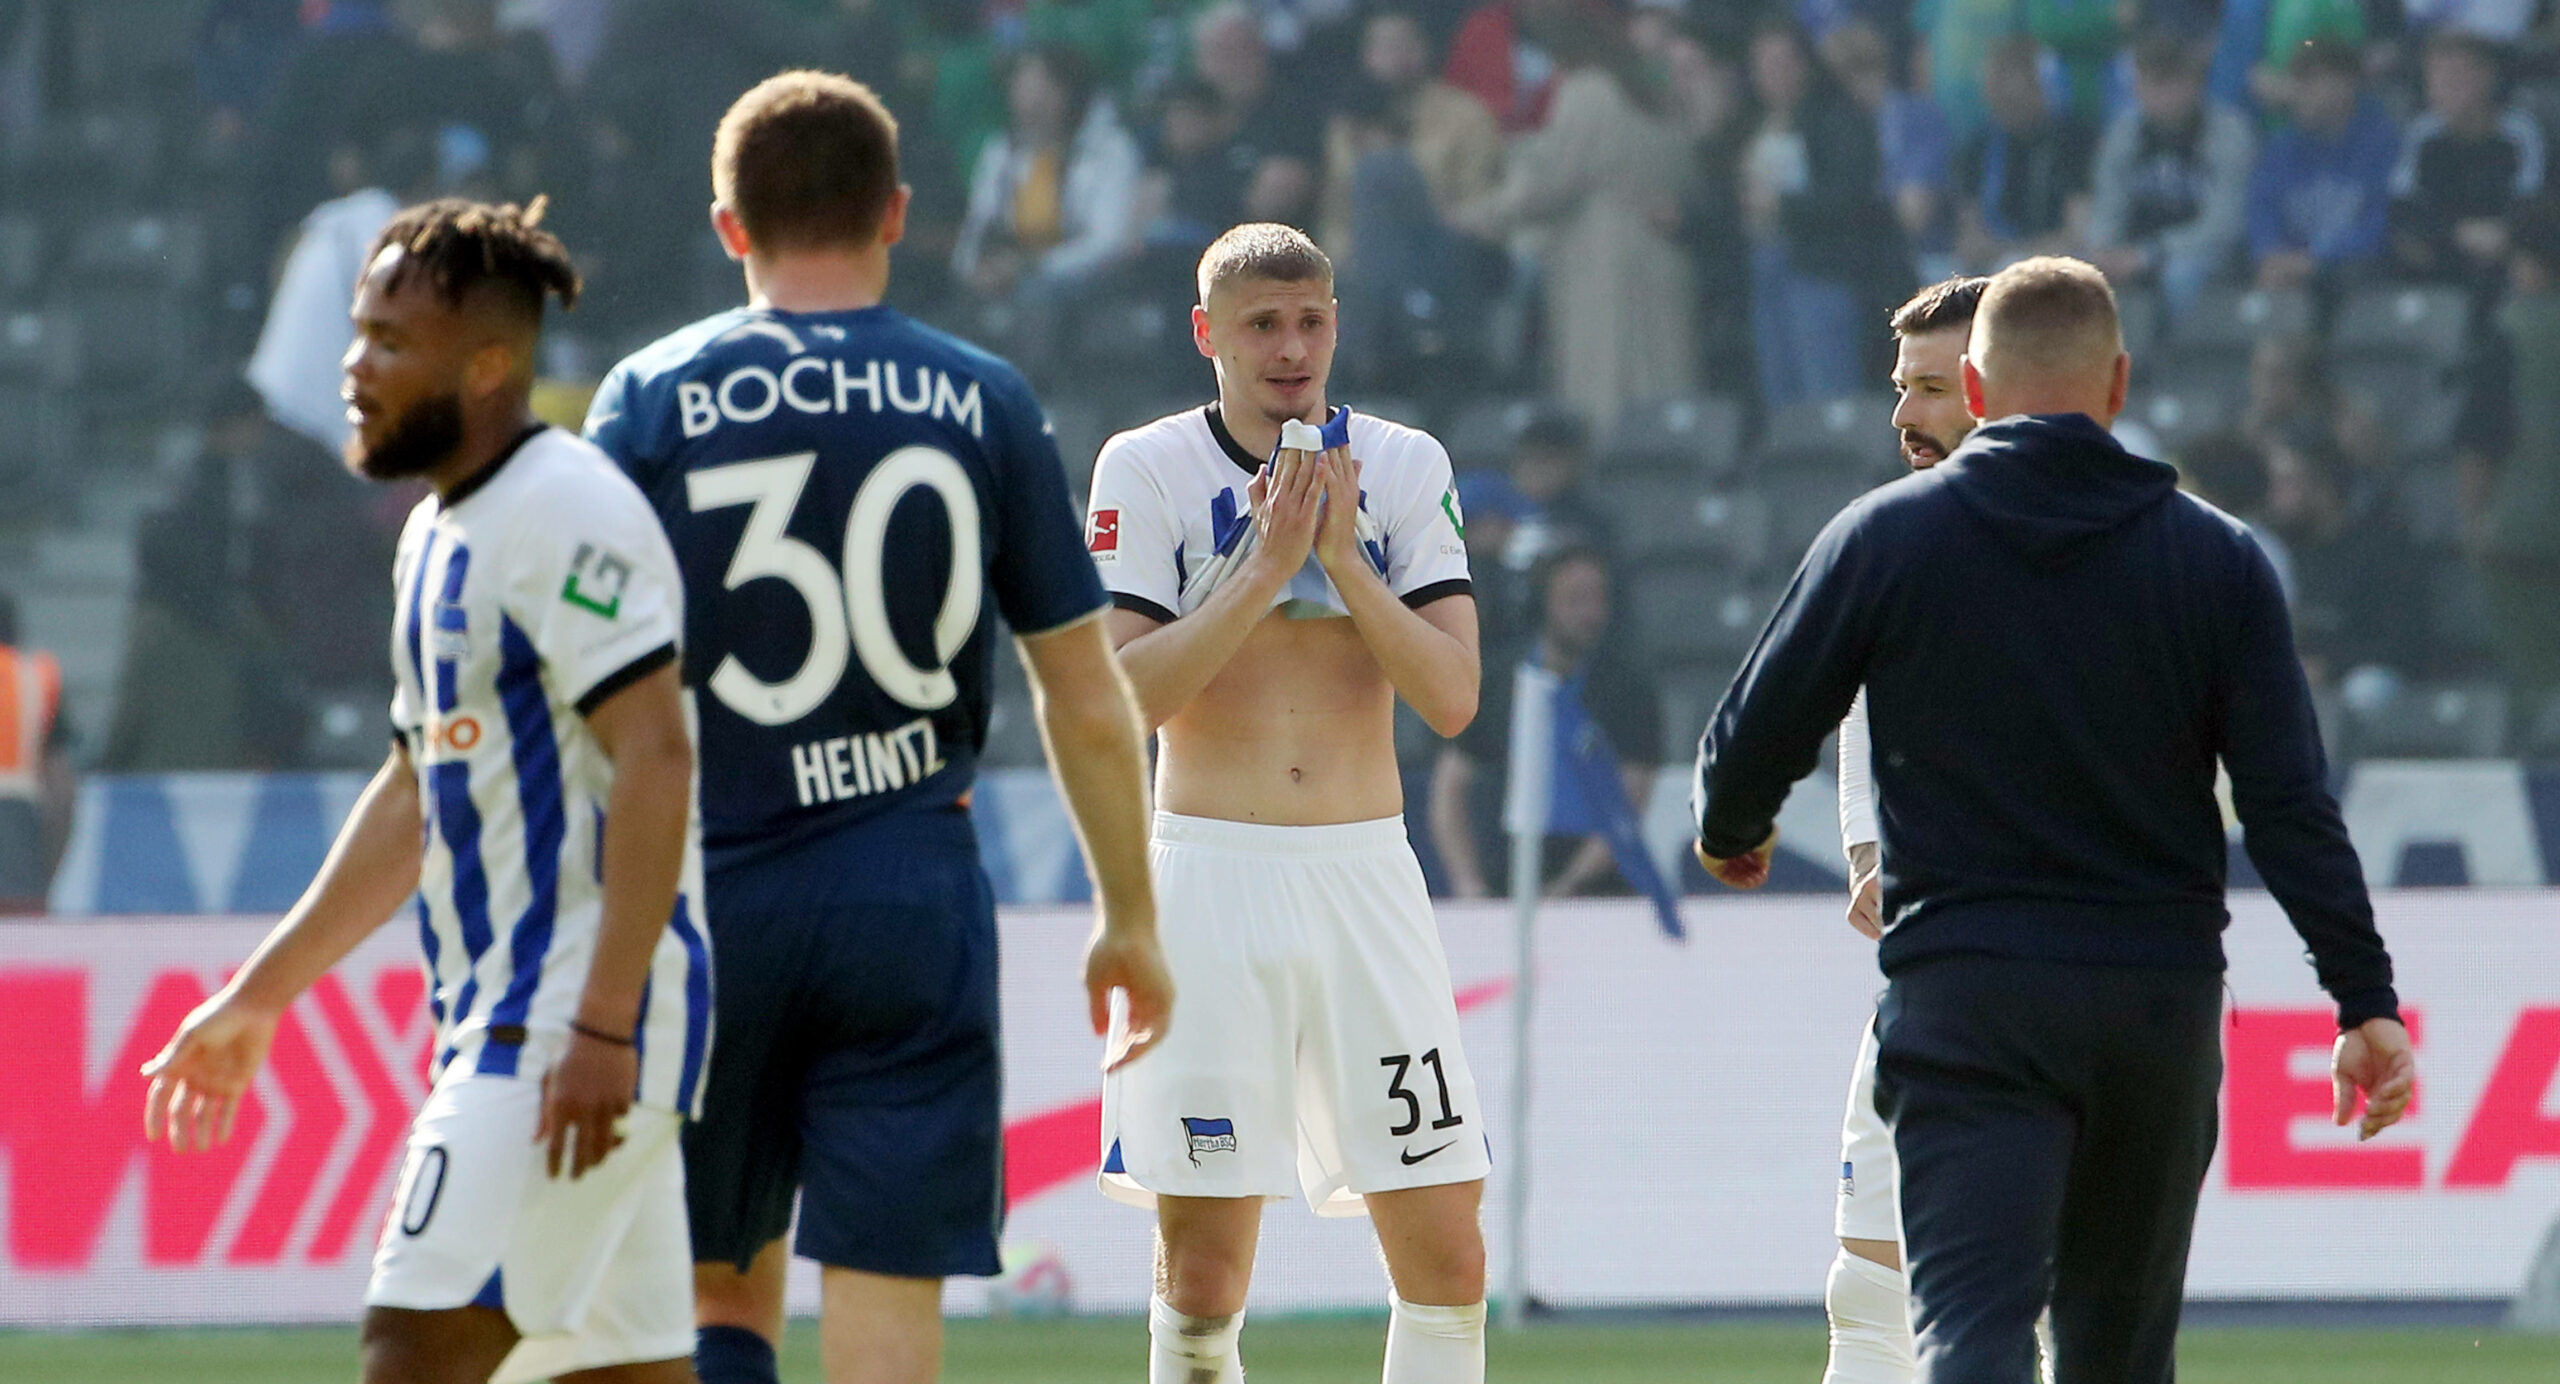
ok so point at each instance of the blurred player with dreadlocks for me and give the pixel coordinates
(538, 803)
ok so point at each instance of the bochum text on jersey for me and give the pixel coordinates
(821, 385)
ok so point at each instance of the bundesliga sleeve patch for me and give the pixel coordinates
(1103, 531)
(596, 580)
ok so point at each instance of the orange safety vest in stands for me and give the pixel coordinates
(30, 698)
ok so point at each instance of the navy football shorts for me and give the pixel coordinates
(856, 1061)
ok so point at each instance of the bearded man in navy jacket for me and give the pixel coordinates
(2058, 647)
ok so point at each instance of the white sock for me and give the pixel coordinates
(1870, 1324)
(1434, 1345)
(1192, 1350)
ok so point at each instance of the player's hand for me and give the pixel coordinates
(1747, 871)
(2373, 1060)
(1338, 532)
(1134, 966)
(197, 1081)
(1287, 499)
(1866, 890)
(583, 1102)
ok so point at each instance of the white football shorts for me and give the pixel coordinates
(1870, 1179)
(1315, 1039)
(594, 1271)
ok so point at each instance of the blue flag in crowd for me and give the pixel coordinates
(1587, 768)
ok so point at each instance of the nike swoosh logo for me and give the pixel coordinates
(1411, 1158)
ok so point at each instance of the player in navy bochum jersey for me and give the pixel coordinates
(851, 497)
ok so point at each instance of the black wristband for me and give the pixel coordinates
(601, 1036)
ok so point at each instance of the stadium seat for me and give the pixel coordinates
(2459, 632)
(1480, 431)
(2421, 420)
(1694, 613)
(2180, 408)
(1013, 734)
(1700, 436)
(41, 348)
(92, 158)
(37, 426)
(1853, 432)
(1076, 425)
(141, 249)
(84, 626)
(1113, 336)
(1800, 503)
(1664, 516)
(2428, 493)
(1395, 408)
(2139, 311)
(344, 728)
(2231, 318)
(2398, 324)
(1690, 692)
(133, 336)
(2451, 720)
(21, 256)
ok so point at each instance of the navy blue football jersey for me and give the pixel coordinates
(847, 493)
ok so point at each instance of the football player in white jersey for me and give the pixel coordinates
(1280, 573)
(537, 808)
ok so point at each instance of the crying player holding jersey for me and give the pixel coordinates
(1280, 573)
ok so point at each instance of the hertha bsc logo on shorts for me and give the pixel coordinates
(1848, 1179)
(1209, 1136)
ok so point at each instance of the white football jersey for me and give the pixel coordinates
(526, 599)
(1165, 495)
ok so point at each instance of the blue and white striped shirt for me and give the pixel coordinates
(526, 599)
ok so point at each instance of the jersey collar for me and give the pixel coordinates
(1245, 461)
(471, 485)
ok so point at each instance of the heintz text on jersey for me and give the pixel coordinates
(854, 766)
(821, 385)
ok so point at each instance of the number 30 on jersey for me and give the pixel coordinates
(848, 609)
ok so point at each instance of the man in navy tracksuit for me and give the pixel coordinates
(2057, 647)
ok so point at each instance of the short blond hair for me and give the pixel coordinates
(1263, 250)
(2053, 309)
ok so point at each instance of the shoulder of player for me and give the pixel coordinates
(1908, 509)
(422, 516)
(560, 474)
(1006, 391)
(2210, 524)
(1151, 448)
(669, 354)
(1392, 451)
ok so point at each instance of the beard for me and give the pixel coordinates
(1921, 451)
(419, 441)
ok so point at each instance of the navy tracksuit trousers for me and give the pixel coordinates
(2053, 1121)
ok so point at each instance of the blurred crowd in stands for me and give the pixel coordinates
(1631, 259)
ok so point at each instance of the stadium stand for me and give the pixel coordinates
(148, 192)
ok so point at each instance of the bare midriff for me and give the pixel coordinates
(1297, 730)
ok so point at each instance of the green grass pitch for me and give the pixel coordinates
(1329, 1350)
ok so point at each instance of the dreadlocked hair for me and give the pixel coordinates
(466, 247)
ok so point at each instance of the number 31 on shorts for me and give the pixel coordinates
(1401, 1065)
